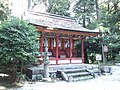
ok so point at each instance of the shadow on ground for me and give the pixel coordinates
(5, 83)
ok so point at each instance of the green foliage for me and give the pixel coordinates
(84, 6)
(113, 43)
(109, 16)
(84, 10)
(92, 47)
(59, 7)
(4, 10)
(93, 44)
(109, 19)
(117, 59)
(17, 45)
(17, 41)
(92, 25)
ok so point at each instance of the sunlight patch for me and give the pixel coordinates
(2, 88)
(3, 75)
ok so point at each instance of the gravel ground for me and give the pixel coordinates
(100, 83)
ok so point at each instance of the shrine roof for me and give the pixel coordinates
(55, 21)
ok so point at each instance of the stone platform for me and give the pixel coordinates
(36, 72)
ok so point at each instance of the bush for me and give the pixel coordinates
(117, 59)
(17, 43)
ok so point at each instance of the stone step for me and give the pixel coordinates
(81, 78)
(74, 70)
(75, 74)
(78, 74)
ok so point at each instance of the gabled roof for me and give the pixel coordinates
(54, 21)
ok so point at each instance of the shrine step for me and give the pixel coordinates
(74, 75)
(81, 78)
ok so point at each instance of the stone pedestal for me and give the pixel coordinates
(46, 68)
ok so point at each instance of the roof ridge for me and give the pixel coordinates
(53, 15)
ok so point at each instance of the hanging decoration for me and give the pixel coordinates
(67, 44)
(59, 43)
(45, 42)
(54, 43)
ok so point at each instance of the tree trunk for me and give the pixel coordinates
(29, 4)
(97, 9)
(84, 18)
(84, 21)
(13, 73)
(86, 56)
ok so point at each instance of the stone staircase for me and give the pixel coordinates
(73, 75)
(73, 72)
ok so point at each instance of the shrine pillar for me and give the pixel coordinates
(50, 43)
(82, 49)
(63, 44)
(70, 50)
(56, 48)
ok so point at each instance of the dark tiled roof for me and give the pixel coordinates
(54, 21)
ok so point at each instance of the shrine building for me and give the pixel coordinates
(62, 34)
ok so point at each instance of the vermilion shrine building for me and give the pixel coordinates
(61, 33)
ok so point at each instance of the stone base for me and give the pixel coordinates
(46, 79)
(117, 64)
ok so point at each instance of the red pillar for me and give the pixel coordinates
(82, 48)
(70, 38)
(56, 49)
(41, 43)
(50, 43)
(63, 44)
(73, 44)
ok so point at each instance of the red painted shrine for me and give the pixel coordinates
(62, 34)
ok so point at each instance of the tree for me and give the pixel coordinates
(33, 3)
(97, 9)
(17, 43)
(59, 7)
(4, 10)
(109, 20)
(84, 11)
(110, 14)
